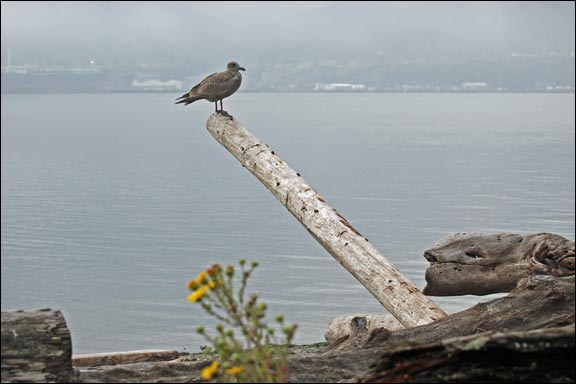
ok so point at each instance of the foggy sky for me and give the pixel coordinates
(221, 30)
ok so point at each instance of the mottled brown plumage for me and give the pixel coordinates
(215, 87)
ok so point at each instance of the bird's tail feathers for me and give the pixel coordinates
(187, 94)
(189, 99)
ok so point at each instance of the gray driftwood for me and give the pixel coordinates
(537, 356)
(130, 357)
(534, 321)
(474, 263)
(36, 347)
(536, 302)
(480, 264)
(346, 244)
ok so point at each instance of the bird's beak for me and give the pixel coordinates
(242, 69)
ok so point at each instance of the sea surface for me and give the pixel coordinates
(112, 202)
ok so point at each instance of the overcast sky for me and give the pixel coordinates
(286, 28)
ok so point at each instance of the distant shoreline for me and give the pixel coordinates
(308, 92)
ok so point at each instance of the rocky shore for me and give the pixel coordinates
(527, 336)
(187, 368)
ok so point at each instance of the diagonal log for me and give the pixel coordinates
(352, 250)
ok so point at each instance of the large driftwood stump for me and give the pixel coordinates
(538, 356)
(536, 302)
(480, 264)
(346, 244)
(36, 347)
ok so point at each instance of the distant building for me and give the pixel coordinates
(157, 85)
(474, 86)
(340, 87)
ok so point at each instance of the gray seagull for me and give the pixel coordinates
(215, 87)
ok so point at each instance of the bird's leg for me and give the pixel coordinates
(222, 111)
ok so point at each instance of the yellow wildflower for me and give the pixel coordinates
(212, 284)
(201, 277)
(208, 372)
(197, 294)
(234, 370)
(214, 269)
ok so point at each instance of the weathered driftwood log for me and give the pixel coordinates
(131, 357)
(474, 264)
(536, 302)
(538, 356)
(36, 347)
(480, 264)
(352, 250)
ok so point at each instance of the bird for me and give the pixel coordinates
(215, 87)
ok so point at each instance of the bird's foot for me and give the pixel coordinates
(225, 114)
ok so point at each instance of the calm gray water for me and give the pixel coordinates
(111, 203)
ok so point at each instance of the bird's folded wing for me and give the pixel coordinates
(215, 84)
